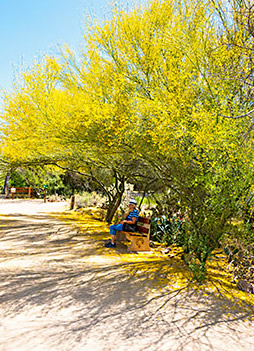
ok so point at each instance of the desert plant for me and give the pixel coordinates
(87, 199)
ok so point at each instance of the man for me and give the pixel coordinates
(128, 224)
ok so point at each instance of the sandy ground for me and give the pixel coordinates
(58, 294)
(30, 207)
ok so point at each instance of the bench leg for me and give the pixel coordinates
(139, 243)
(120, 236)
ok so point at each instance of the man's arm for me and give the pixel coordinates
(133, 221)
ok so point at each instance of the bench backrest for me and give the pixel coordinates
(22, 190)
(144, 224)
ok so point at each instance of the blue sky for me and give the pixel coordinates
(31, 28)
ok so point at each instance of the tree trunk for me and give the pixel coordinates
(113, 207)
(116, 200)
(6, 185)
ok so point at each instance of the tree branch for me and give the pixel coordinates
(237, 117)
(84, 174)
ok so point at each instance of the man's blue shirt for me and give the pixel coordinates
(132, 214)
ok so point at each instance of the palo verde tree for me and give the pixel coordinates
(146, 101)
(161, 66)
(51, 123)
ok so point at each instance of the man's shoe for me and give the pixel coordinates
(110, 245)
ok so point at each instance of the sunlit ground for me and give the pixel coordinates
(61, 289)
(167, 271)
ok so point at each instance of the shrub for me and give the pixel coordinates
(197, 247)
(87, 199)
(168, 229)
(241, 261)
(56, 198)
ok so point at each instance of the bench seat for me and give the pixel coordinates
(140, 240)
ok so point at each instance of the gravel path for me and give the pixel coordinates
(58, 293)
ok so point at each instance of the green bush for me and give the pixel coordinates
(197, 247)
(167, 229)
(17, 180)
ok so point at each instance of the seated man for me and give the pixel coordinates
(128, 224)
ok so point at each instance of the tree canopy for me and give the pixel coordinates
(159, 94)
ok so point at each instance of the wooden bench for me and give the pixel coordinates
(140, 240)
(21, 191)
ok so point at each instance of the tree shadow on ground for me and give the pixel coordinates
(50, 267)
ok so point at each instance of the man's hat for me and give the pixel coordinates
(133, 202)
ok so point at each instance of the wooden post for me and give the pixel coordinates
(13, 191)
(45, 193)
(72, 202)
(29, 192)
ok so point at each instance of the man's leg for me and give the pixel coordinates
(113, 230)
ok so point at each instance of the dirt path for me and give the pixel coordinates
(59, 292)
